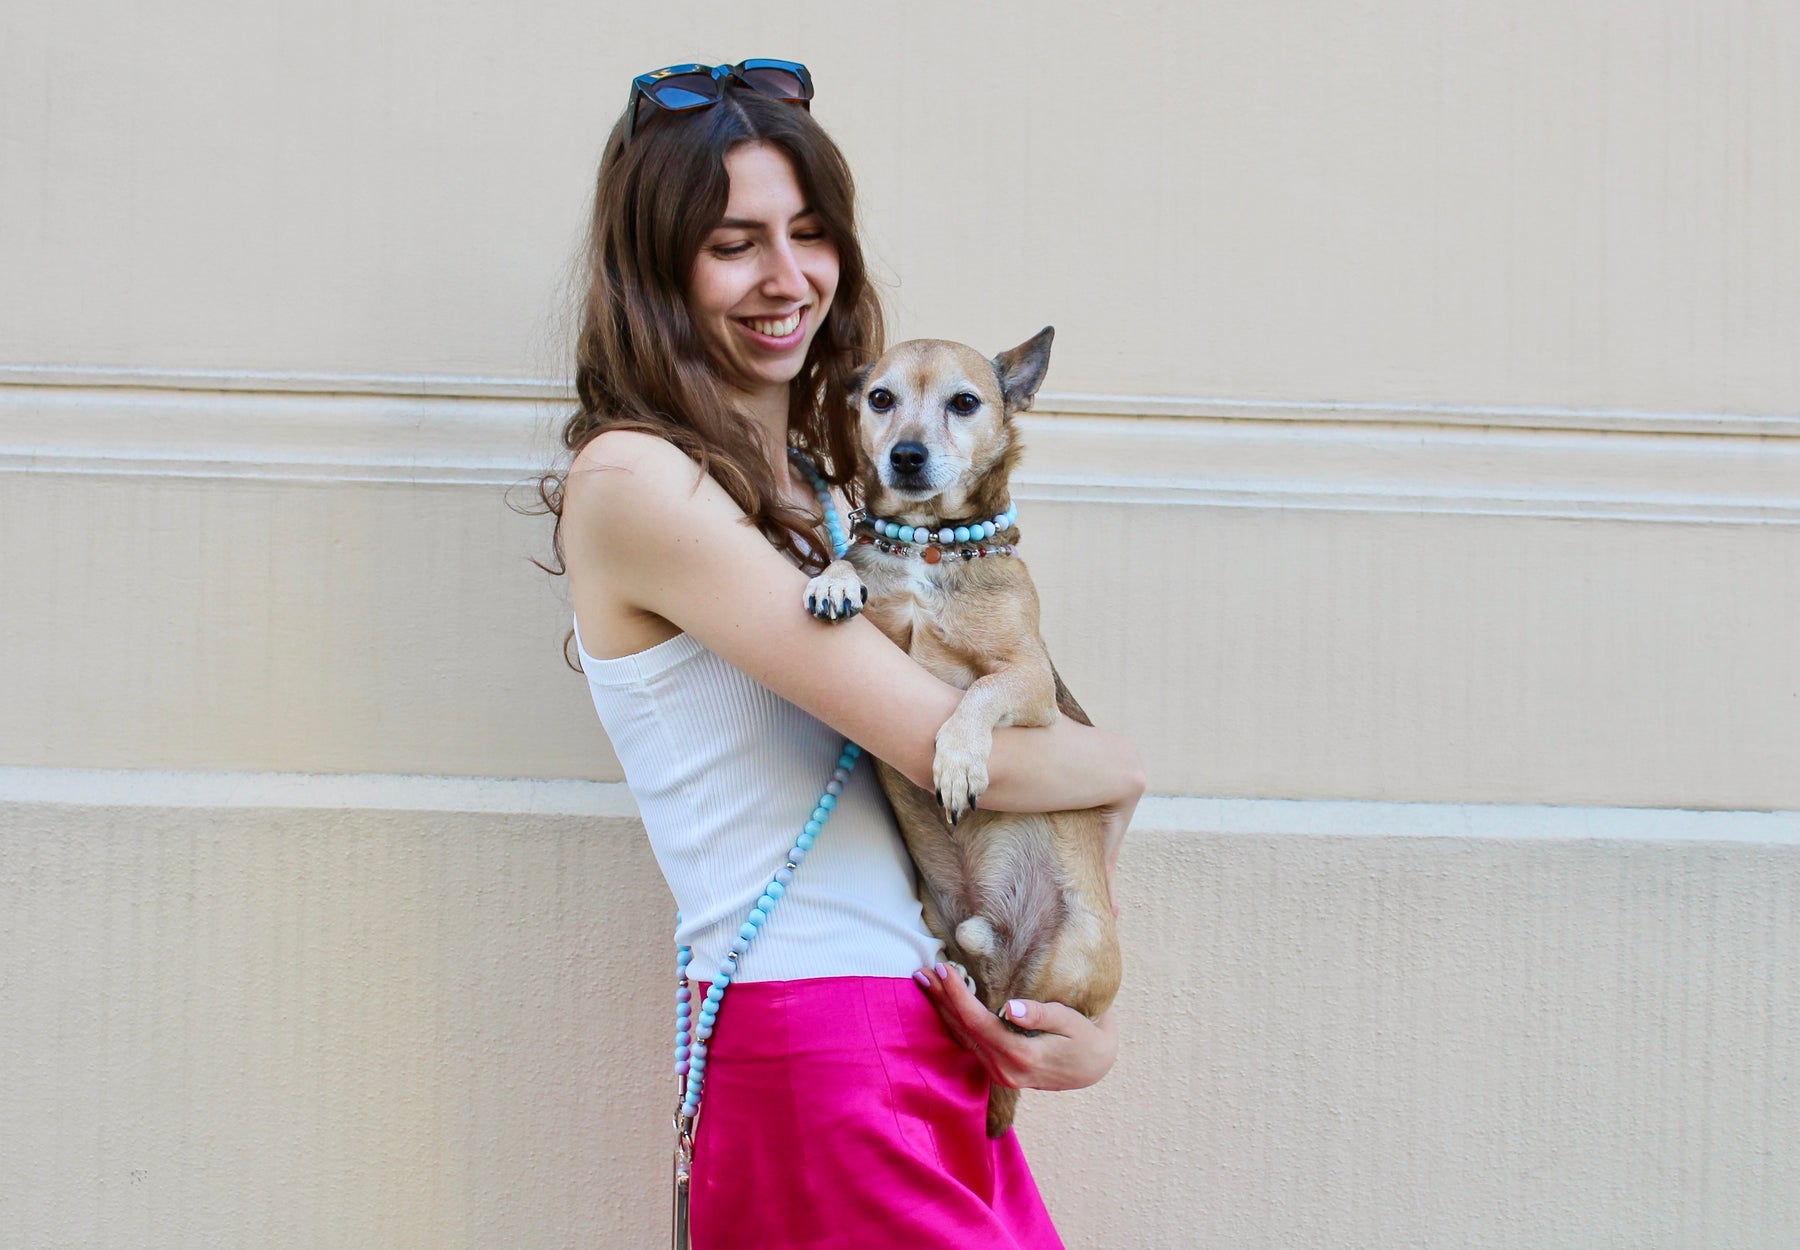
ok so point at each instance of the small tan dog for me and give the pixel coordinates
(1020, 900)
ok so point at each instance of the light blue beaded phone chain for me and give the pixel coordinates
(692, 1034)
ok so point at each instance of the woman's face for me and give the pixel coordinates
(764, 277)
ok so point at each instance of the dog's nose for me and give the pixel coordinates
(907, 457)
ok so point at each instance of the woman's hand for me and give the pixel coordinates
(1069, 1052)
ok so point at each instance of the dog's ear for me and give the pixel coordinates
(1021, 369)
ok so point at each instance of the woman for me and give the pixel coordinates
(728, 307)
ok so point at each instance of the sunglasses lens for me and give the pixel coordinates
(684, 91)
(783, 84)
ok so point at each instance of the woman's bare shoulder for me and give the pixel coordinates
(623, 466)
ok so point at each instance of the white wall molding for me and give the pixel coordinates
(1080, 404)
(1159, 815)
(1208, 461)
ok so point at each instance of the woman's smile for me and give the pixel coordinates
(775, 333)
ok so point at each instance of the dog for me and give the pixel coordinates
(1019, 900)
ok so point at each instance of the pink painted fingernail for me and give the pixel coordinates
(1016, 1009)
(943, 973)
(923, 980)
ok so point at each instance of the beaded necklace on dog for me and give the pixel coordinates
(693, 1033)
(936, 541)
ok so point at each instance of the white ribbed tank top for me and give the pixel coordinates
(725, 773)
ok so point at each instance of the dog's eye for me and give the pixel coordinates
(963, 403)
(881, 399)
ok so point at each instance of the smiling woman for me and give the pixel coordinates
(844, 1104)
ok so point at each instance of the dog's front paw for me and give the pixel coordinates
(837, 593)
(959, 769)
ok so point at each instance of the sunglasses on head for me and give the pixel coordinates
(683, 88)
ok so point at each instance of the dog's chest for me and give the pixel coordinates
(913, 603)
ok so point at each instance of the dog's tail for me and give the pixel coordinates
(1003, 1103)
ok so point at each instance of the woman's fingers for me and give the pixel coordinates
(1064, 1049)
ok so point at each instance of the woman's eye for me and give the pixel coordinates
(881, 399)
(809, 236)
(728, 250)
(964, 403)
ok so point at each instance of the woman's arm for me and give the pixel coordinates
(655, 534)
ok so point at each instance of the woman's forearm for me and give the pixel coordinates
(1062, 766)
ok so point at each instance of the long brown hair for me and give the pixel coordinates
(639, 363)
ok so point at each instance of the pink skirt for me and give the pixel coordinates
(839, 1112)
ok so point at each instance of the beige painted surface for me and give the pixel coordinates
(1256, 651)
(280, 1027)
(1539, 203)
(1474, 477)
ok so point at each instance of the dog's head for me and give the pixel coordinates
(936, 424)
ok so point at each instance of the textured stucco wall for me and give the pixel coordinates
(322, 1028)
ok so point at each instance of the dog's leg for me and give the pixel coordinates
(836, 594)
(1022, 692)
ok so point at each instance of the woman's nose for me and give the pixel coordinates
(783, 277)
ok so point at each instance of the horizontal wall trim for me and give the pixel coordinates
(1157, 814)
(1192, 461)
(1072, 403)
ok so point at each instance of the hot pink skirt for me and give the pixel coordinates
(840, 1113)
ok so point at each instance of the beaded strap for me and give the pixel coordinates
(692, 1033)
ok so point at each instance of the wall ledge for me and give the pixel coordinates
(1157, 816)
(124, 426)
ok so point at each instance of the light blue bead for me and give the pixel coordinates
(682, 1008)
(739, 945)
(681, 1052)
(757, 916)
(814, 827)
(828, 801)
(845, 764)
(775, 889)
(821, 814)
(805, 841)
(683, 994)
(946, 535)
(784, 875)
(684, 956)
(796, 854)
(890, 530)
(704, 1031)
(962, 533)
(852, 750)
(746, 931)
(906, 533)
(766, 903)
(714, 993)
(681, 1067)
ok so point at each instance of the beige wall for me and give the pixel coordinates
(1419, 483)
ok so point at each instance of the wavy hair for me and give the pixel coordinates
(640, 364)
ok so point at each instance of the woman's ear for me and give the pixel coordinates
(1021, 369)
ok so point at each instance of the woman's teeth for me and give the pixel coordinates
(775, 329)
